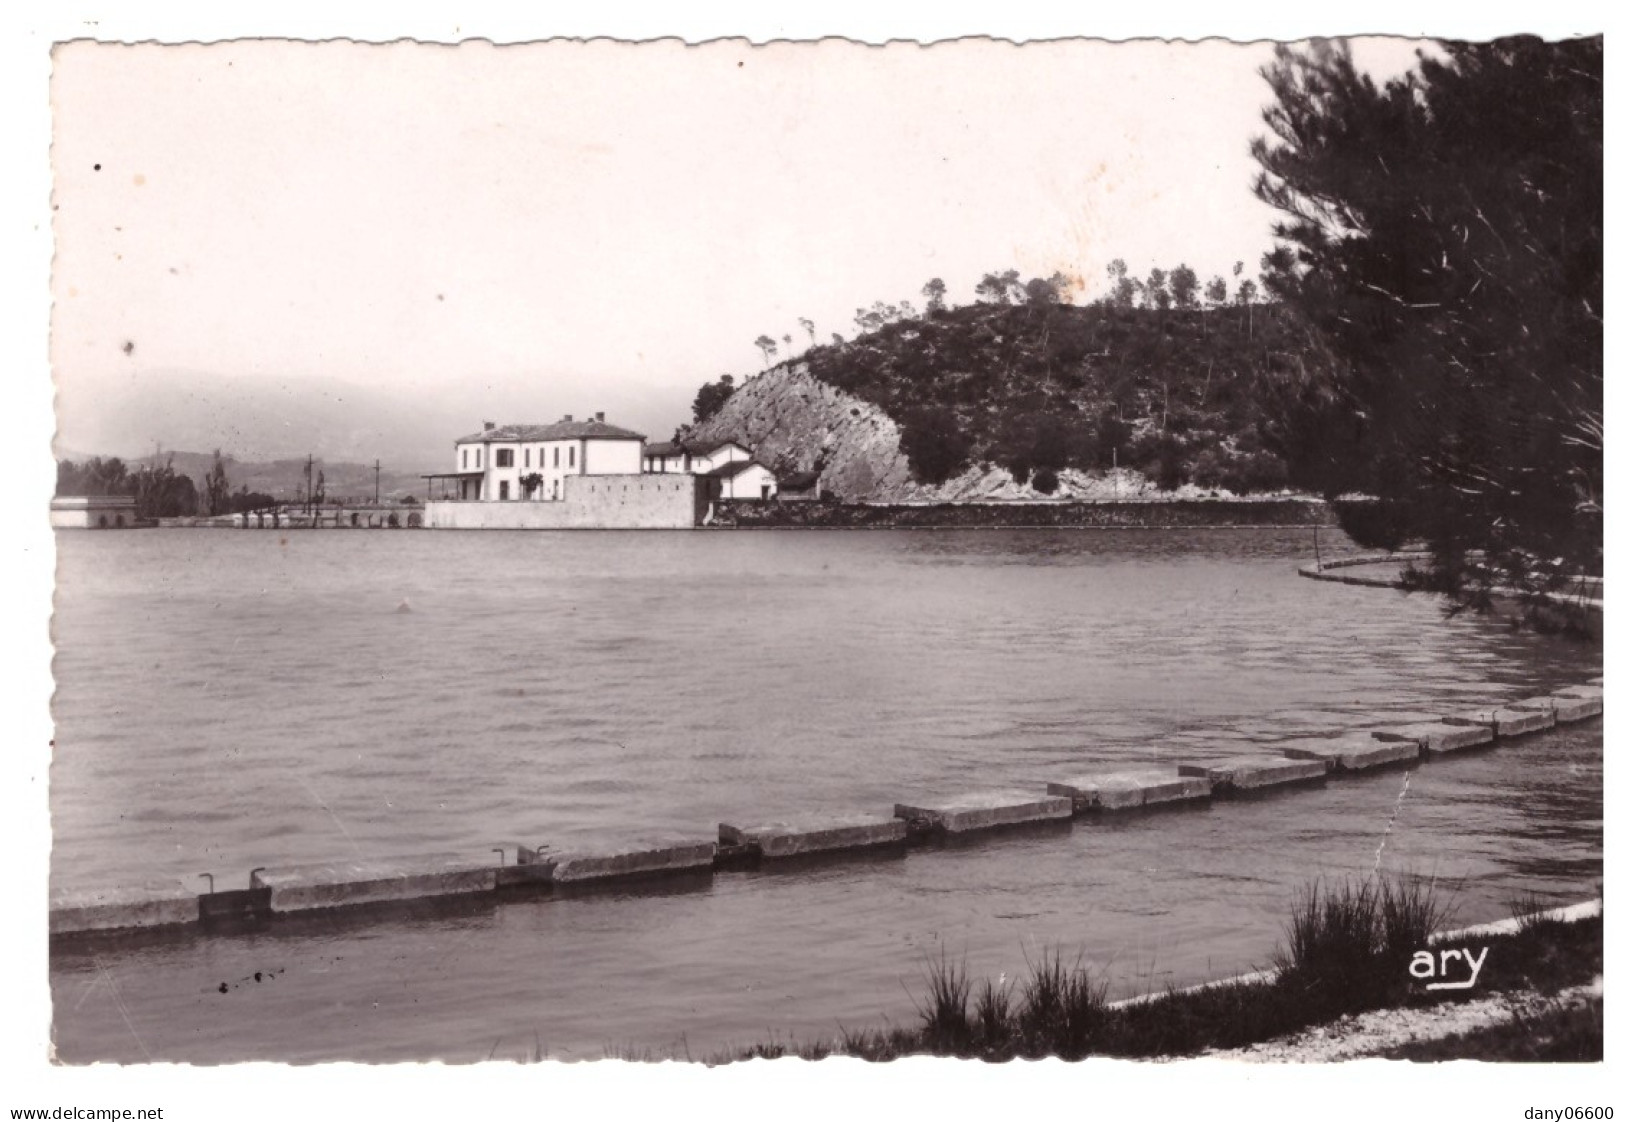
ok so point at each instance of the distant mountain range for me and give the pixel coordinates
(261, 419)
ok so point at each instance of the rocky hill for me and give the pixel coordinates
(796, 422)
(1000, 402)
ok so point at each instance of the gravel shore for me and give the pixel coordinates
(1379, 1031)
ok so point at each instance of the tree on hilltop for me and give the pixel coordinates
(711, 397)
(768, 347)
(1182, 286)
(1156, 290)
(1000, 288)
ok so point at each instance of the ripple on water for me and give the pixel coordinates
(223, 703)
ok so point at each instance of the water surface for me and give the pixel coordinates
(234, 699)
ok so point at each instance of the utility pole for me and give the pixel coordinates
(310, 462)
(375, 468)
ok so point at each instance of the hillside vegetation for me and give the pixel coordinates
(1044, 391)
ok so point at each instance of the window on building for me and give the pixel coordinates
(477, 459)
(465, 459)
(527, 457)
(555, 455)
(502, 488)
(572, 455)
(504, 457)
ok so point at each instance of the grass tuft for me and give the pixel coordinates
(1348, 945)
(947, 1027)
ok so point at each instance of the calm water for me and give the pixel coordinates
(228, 700)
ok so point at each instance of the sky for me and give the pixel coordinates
(405, 240)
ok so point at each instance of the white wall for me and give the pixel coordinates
(614, 457)
(727, 454)
(496, 476)
(748, 484)
(591, 502)
(592, 456)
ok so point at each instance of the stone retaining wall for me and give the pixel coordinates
(591, 502)
(1068, 515)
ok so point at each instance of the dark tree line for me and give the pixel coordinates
(158, 489)
(1442, 235)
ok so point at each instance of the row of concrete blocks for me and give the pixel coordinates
(346, 884)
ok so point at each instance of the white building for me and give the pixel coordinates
(693, 457)
(725, 467)
(740, 479)
(93, 512)
(509, 463)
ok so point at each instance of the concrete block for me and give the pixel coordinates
(1438, 736)
(1254, 772)
(1126, 790)
(1506, 721)
(156, 904)
(645, 858)
(1567, 708)
(1355, 751)
(1563, 709)
(816, 834)
(986, 811)
(528, 866)
(339, 884)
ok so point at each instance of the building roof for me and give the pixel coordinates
(733, 468)
(706, 447)
(73, 502)
(692, 447)
(558, 430)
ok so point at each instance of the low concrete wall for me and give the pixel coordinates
(591, 502)
(1254, 773)
(816, 834)
(1130, 790)
(985, 811)
(151, 905)
(1438, 736)
(347, 883)
(1354, 752)
(635, 859)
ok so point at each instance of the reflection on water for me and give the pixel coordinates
(231, 700)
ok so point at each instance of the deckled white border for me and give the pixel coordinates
(786, 1090)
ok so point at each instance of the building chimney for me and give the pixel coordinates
(568, 417)
(598, 416)
(489, 425)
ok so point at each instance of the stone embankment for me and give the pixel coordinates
(1337, 571)
(1140, 515)
(274, 892)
